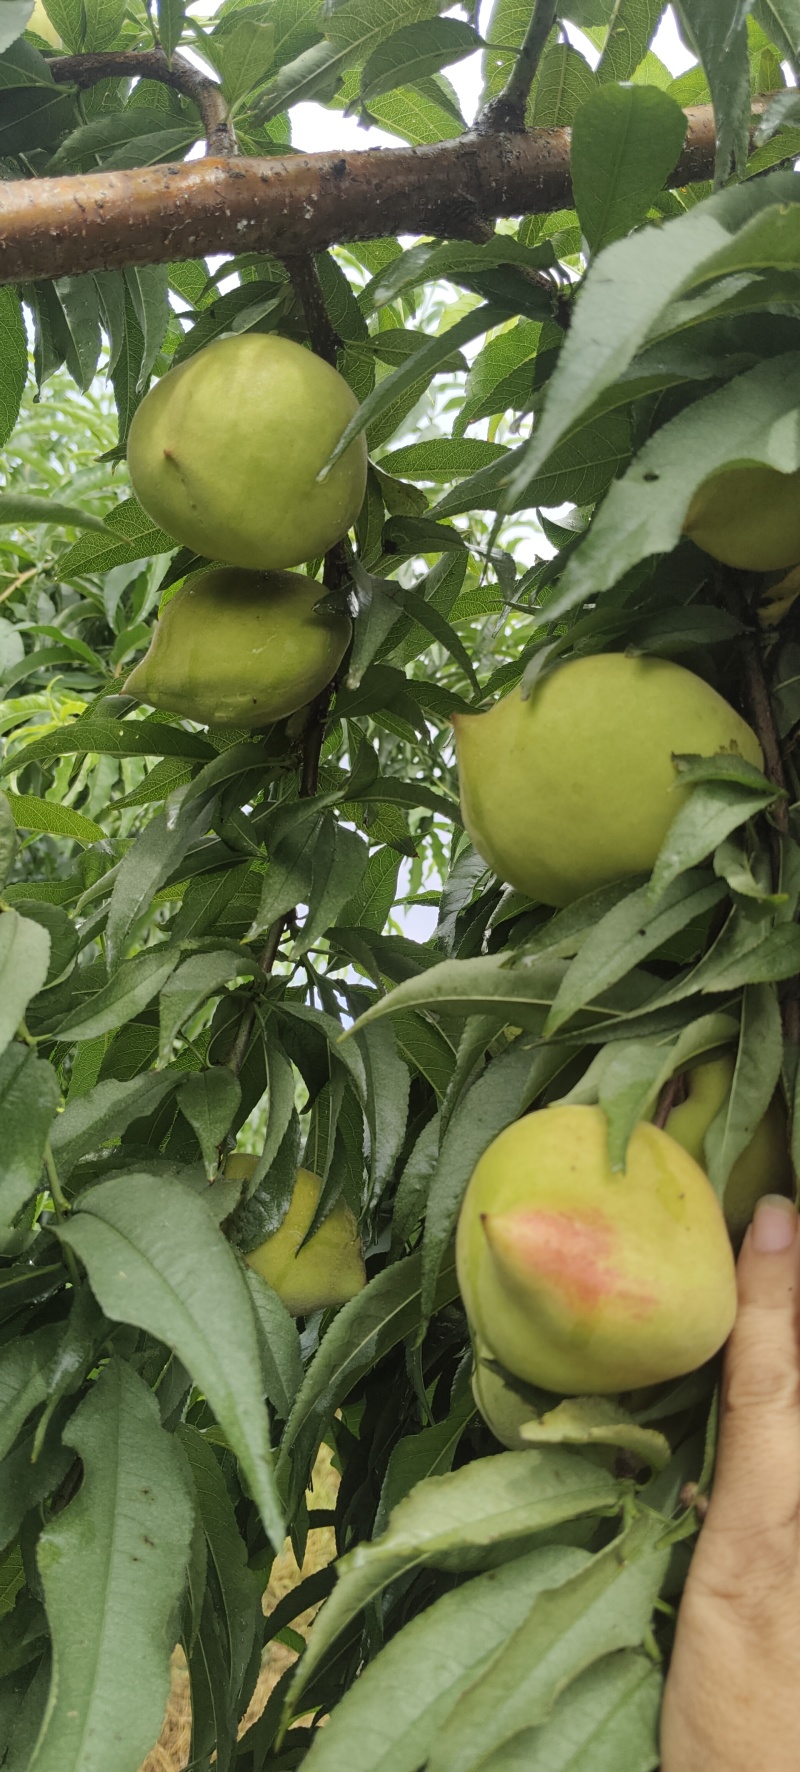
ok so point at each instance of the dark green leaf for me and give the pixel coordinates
(123, 1543)
(155, 1258)
(625, 142)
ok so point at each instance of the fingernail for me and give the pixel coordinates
(774, 1224)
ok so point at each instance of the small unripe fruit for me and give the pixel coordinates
(576, 787)
(328, 1269)
(748, 517)
(224, 453)
(764, 1166)
(239, 648)
(586, 1280)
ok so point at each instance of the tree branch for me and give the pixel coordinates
(152, 64)
(507, 110)
(53, 227)
(325, 342)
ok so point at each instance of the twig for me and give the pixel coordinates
(21, 579)
(53, 227)
(672, 1094)
(266, 961)
(305, 280)
(506, 112)
(61, 1209)
(764, 722)
(151, 64)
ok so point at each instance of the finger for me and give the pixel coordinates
(758, 1464)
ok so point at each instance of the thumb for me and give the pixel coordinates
(758, 1462)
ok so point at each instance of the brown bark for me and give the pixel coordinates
(53, 227)
(84, 71)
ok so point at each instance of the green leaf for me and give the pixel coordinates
(13, 357)
(29, 1098)
(339, 863)
(388, 1085)
(755, 1078)
(389, 1717)
(243, 52)
(103, 21)
(711, 812)
(459, 1521)
(624, 294)
(32, 814)
(777, 956)
(24, 960)
(719, 30)
(781, 21)
(136, 982)
(238, 1607)
(28, 1475)
(24, 1368)
(388, 1310)
(415, 51)
(147, 288)
(78, 300)
(421, 367)
(607, 1717)
(133, 537)
(170, 25)
(578, 472)
(631, 26)
(371, 904)
(112, 738)
(442, 458)
(625, 142)
(8, 840)
(604, 1607)
(209, 1102)
(597, 1421)
(563, 83)
(279, 1345)
(155, 1258)
(625, 937)
(103, 1113)
(500, 1095)
(30, 507)
(156, 853)
(419, 1456)
(643, 512)
(123, 1544)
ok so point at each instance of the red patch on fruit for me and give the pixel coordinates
(573, 1256)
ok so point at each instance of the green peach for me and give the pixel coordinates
(576, 787)
(237, 648)
(586, 1280)
(328, 1269)
(748, 517)
(764, 1166)
(225, 450)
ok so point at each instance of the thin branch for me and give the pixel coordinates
(672, 1094)
(760, 708)
(52, 227)
(61, 1209)
(325, 341)
(151, 64)
(507, 110)
(309, 779)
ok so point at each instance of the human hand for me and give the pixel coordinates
(731, 1698)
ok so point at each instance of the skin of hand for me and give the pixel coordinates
(732, 1697)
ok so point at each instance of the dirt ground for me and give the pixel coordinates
(171, 1752)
